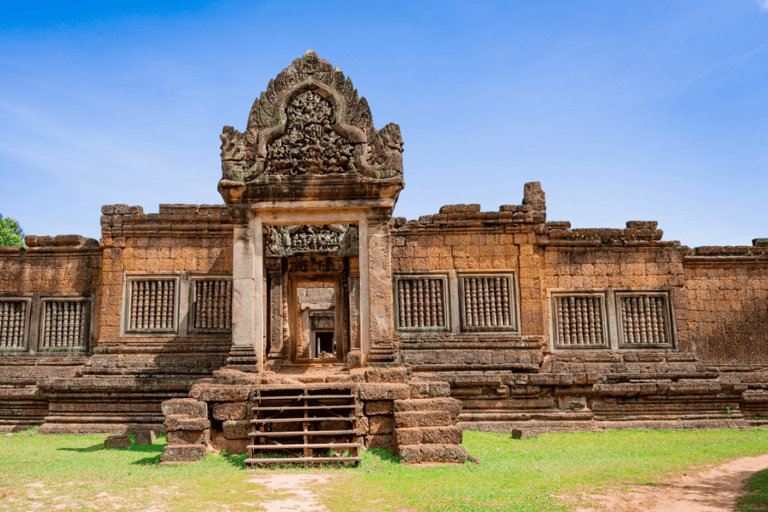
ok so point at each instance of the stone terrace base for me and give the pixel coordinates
(415, 418)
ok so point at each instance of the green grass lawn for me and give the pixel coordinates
(545, 473)
(756, 497)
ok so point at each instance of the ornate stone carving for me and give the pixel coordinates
(332, 238)
(310, 120)
(310, 145)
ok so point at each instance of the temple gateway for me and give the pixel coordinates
(300, 317)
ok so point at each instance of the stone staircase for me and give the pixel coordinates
(381, 355)
(310, 424)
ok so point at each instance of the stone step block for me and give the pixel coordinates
(183, 452)
(387, 375)
(186, 407)
(429, 435)
(229, 411)
(413, 419)
(219, 392)
(379, 407)
(425, 453)
(380, 425)
(452, 405)
(376, 391)
(188, 436)
(181, 422)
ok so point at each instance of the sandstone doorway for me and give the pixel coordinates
(317, 319)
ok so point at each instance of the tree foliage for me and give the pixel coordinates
(11, 233)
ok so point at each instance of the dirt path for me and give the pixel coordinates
(714, 490)
(298, 488)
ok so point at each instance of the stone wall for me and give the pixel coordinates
(726, 289)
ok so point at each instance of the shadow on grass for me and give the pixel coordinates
(236, 460)
(385, 455)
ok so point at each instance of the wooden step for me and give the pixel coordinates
(295, 460)
(300, 446)
(304, 407)
(301, 420)
(299, 433)
(305, 397)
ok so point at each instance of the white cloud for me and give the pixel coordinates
(763, 4)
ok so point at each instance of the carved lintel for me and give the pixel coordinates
(341, 239)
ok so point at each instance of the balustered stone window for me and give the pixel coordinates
(421, 302)
(643, 320)
(151, 304)
(580, 320)
(612, 319)
(65, 325)
(211, 305)
(14, 323)
(487, 302)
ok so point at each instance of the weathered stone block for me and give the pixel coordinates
(397, 375)
(237, 429)
(115, 442)
(179, 422)
(220, 442)
(422, 419)
(372, 391)
(429, 435)
(378, 407)
(380, 424)
(378, 441)
(416, 454)
(229, 411)
(188, 436)
(145, 436)
(219, 393)
(183, 453)
(426, 389)
(451, 405)
(186, 407)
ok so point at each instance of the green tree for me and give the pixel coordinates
(11, 233)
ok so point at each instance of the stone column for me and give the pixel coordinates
(275, 274)
(247, 351)
(380, 295)
(354, 356)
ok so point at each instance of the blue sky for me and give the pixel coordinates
(636, 110)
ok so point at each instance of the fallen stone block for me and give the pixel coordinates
(183, 452)
(117, 442)
(185, 407)
(145, 436)
(423, 453)
(422, 419)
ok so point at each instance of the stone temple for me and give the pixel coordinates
(303, 292)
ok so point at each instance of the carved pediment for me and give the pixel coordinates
(310, 121)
